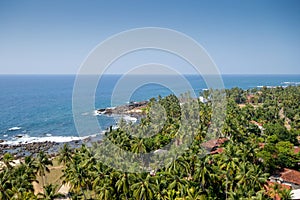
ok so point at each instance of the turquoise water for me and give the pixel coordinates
(41, 105)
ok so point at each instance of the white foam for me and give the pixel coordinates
(113, 107)
(129, 119)
(291, 83)
(126, 118)
(26, 139)
(115, 127)
(14, 128)
(97, 113)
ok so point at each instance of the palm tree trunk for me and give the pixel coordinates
(83, 193)
(43, 181)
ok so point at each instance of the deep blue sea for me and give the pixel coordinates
(40, 106)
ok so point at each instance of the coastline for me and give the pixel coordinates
(20, 150)
(24, 145)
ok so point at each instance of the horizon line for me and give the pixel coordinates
(58, 74)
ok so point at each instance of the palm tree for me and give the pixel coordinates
(138, 146)
(27, 196)
(42, 165)
(178, 165)
(144, 189)
(21, 180)
(5, 184)
(106, 192)
(65, 154)
(194, 194)
(7, 160)
(31, 164)
(123, 185)
(177, 183)
(76, 175)
(203, 172)
(50, 192)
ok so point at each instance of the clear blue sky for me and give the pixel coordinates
(254, 36)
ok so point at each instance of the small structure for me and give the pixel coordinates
(202, 99)
(288, 177)
(296, 149)
(259, 125)
(251, 98)
(217, 151)
(213, 145)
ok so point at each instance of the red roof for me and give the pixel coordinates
(290, 175)
(218, 150)
(296, 149)
(256, 123)
(214, 143)
(261, 145)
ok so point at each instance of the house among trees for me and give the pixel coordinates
(202, 99)
(213, 145)
(288, 177)
(251, 98)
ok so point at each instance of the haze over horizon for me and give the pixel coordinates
(242, 37)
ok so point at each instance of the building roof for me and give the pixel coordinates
(296, 149)
(256, 123)
(217, 151)
(261, 145)
(290, 175)
(210, 144)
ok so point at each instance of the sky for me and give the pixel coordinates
(242, 37)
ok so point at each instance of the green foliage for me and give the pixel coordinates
(240, 171)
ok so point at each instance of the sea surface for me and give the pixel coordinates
(39, 107)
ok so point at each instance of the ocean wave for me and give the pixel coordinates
(98, 113)
(129, 119)
(267, 86)
(112, 107)
(114, 127)
(85, 114)
(291, 83)
(26, 139)
(15, 128)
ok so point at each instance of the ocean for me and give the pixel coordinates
(39, 107)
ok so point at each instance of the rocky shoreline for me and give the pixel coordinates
(133, 109)
(52, 148)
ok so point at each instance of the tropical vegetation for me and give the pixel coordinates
(261, 127)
